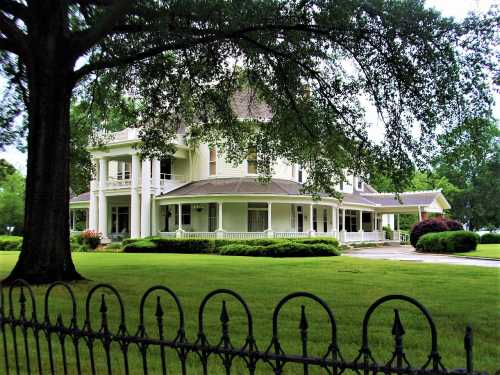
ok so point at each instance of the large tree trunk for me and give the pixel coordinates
(46, 255)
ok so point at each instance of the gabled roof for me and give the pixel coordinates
(417, 198)
(84, 197)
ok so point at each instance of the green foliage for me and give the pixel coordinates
(6, 169)
(255, 247)
(114, 246)
(10, 243)
(388, 232)
(448, 242)
(490, 238)
(12, 188)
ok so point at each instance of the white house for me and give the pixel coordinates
(198, 194)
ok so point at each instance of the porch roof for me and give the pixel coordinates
(417, 198)
(84, 197)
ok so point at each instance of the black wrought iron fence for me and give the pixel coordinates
(29, 344)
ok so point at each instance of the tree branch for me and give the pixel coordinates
(83, 40)
(14, 35)
(7, 45)
(14, 8)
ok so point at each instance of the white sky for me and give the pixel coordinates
(451, 8)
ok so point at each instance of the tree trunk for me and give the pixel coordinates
(45, 255)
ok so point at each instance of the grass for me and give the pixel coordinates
(484, 250)
(454, 295)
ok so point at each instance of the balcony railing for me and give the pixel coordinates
(114, 183)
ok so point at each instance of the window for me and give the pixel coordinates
(119, 220)
(315, 219)
(300, 174)
(257, 217)
(325, 220)
(166, 169)
(186, 214)
(360, 184)
(212, 217)
(300, 219)
(252, 160)
(351, 221)
(123, 170)
(212, 163)
(341, 186)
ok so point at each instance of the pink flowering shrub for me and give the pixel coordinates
(91, 238)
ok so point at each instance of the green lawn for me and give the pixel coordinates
(454, 295)
(484, 250)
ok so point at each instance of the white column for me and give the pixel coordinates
(219, 216)
(93, 207)
(334, 221)
(179, 216)
(156, 176)
(73, 219)
(103, 204)
(146, 199)
(361, 224)
(311, 226)
(269, 229)
(135, 205)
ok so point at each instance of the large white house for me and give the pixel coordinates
(198, 194)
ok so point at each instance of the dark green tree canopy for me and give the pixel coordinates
(311, 61)
(179, 61)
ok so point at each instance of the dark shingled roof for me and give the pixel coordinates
(85, 197)
(407, 199)
(251, 186)
(245, 104)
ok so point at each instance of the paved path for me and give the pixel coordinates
(407, 253)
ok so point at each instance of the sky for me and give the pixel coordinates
(450, 8)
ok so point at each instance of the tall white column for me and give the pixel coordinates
(269, 229)
(156, 175)
(135, 205)
(146, 199)
(103, 204)
(311, 221)
(93, 207)
(179, 217)
(219, 216)
(334, 221)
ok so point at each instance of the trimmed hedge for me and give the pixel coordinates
(281, 249)
(448, 242)
(490, 238)
(257, 247)
(431, 226)
(9, 243)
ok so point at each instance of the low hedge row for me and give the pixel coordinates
(258, 247)
(9, 243)
(490, 238)
(448, 242)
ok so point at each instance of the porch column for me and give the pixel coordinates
(73, 219)
(337, 222)
(93, 207)
(86, 218)
(311, 225)
(179, 216)
(135, 206)
(334, 222)
(361, 224)
(146, 199)
(103, 204)
(343, 234)
(219, 233)
(156, 176)
(269, 229)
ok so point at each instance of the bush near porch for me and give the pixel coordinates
(298, 247)
(448, 242)
(433, 225)
(489, 238)
(8, 243)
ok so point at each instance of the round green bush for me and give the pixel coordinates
(489, 238)
(448, 242)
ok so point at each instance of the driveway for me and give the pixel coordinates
(408, 253)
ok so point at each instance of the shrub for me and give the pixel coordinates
(490, 238)
(9, 243)
(91, 238)
(114, 246)
(389, 233)
(448, 242)
(424, 227)
(281, 249)
(141, 246)
(453, 224)
(130, 240)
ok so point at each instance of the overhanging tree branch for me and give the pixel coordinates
(14, 8)
(83, 40)
(14, 35)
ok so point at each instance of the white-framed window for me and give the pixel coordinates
(123, 170)
(315, 219)
(212, 163)
(257, 217)
(325, 220)
(186, 214)
(359, 184)
(300, 175)
(252, 160)
(351, 221)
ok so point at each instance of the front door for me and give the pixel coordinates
(120, 220)
(300, 219)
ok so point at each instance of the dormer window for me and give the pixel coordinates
(359, 184)
(212, 164)
(252, 160)
(300, 175)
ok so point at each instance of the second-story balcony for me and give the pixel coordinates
(166, 182)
